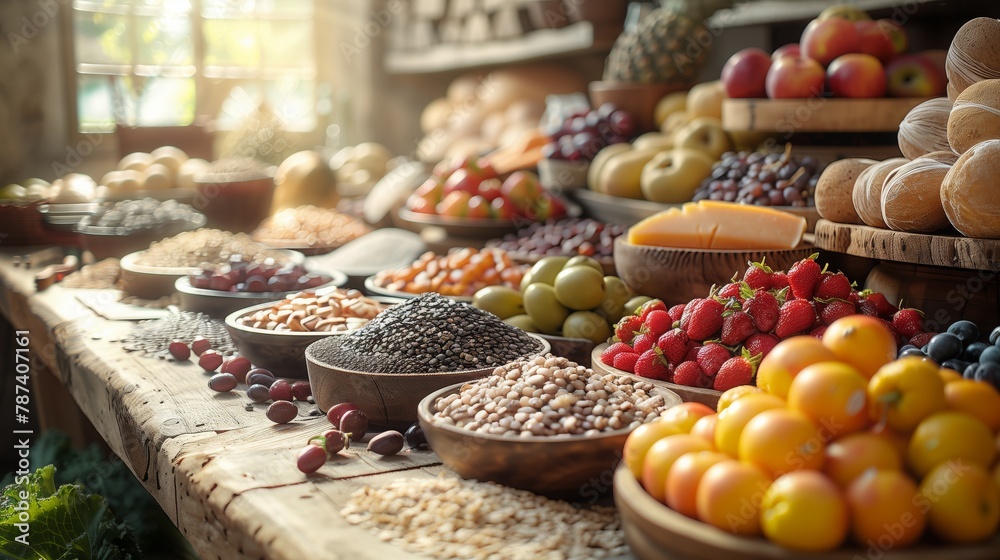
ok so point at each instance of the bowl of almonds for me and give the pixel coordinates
(275, 335)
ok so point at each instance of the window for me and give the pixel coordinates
(165, 62)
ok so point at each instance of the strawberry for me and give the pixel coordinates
(763, 309)
(736, 327)
(658, 322)
(803, 277)
(736, 371)
(730, 290)
(689, 374)
(760, 343)
(692, 354)
(673, 345)
(688, 310)
(854, 298)
(835, 309)
(833, 286)
(676, 312)
(628, 328)
(875, 304)
(900, 339)
(608, 356)
(779, 281)
(650, 306)
(625, 361)
(706, 320)
(651, 365)
(758, 276)
(711, 357)
(795, 316)
(818, 332)
(909, 322)
(921, 340)
(643, 342)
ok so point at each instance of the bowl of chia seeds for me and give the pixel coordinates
(409, 351)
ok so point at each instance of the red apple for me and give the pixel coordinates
(915, 75)
(896, 34)
(477, 167)
(490, 189)
(479, 208)
(503, 209)
(462, 180)
(856, 75)
(521, 188)
(744, 73)
(825, 40)
(432, 189)
(455, 204)
(420, 205)
(792, 50)
(874, 41)
(794, 78)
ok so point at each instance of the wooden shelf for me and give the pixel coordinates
(767, 12)
(573, 40)
(788, 116)
(916, 248)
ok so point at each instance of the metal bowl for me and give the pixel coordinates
(216, 303)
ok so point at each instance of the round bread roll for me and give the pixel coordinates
(974, 54)
(867, 194)
(834, 190)
(968, 193)
(975, 117)
(911, 197)
(925, 128)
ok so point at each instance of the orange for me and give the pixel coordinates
(852, 455)
(904, 392)
(730, 395)
(962, 501)
(639, 442)
(780, 441)
(899, 442)
(833, 395)
(862, 341)
(976, 398)
(949, 375)
(735, 417)
(804, 510)
(729, 497)
(950, 436)
(705, 427)
(683, 479)
(684, 415)
(885, 513)
(661, 457)
(787, 359)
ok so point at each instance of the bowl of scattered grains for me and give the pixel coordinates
(409, 351)
(309, 229)
(275, 335)
(131, 225)
(544, 424)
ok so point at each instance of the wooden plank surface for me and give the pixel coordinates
(916, 248)
(787, 116)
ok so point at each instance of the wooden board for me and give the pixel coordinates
(917, 248)
(788, 116)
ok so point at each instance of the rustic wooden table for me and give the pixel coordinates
(225, 475)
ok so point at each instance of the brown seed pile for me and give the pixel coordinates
(328, 311)
(154, 336)
(312, 226)
(452, 518)
(206, 247)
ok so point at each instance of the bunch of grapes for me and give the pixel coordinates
(581, 135)
(776, 179)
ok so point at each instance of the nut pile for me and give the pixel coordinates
(97, 276)
(564, 238)
(336, 311)
(462, 272)
(312, 226)
(427, 333)
(129, 216)
(206, 247)
(154, 336)
(549, 396)
(454, 518)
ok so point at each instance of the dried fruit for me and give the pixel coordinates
(258, 394)
(210, 360)
(337, 412)
(281, 391)
(179, 350)
(386, 443)
(311, 458)
(222, 382)
(301, 390)
(355, 423)
(238, 366)
(282, 412)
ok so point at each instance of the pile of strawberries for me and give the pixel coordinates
(717, 342)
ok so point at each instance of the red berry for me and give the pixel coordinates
(738, 370)
(625, 361)
(643, 342)
(705, 320)
(627, 329)
(281, 412)
(673, 345)
(736, 327)
(763, 308)
(908, 322)
(210, 360)
(688, 310)
(651, 365)
(692, 354)
(795, 317)
(758, 276)
(760, 344)
(281, 390)
(836, 309)
(337, 412)
(301, 390)
(658, 322)
(179, 350)
(199, 345)
(818, 332)
(711, 357)
(649, 307)
(779, 281)
(676, 312)
(803, 277)
(876, 305)
(731, 290)
(690, 374)
(238, 366)
(833, 286)
(311, 458)
(609, 353)
(921, 340)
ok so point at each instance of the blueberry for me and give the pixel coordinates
(967, 331)
(991, 354)
(974, 350)
(995, 336)
(906, 347)
(989, 372)
(970, 372)
(924, 348)
(912, 352)
(944, 346)
(955, 364)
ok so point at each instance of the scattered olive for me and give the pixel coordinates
(179, 350)
(260, 379)
(354, 422)
(301, 390)
(311, 458)
(222, 382)
(281, 391)
(259, 393)
(210, 360)
(337, 412)
(199, 345)
(386, 443)
(333, 440)
(415, 437)
(282, 412)
(238, 366)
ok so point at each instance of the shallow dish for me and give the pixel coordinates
(568, 466)
(468, 228)
(607, 263)
(678, 275)
(104, 243)
(373, 288)
(216, 303)
(656, 532)
(180, 195)
(389, 399)
(708, 397)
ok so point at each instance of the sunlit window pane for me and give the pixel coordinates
(243, 100)
(164, 41)
(94, 102)
(166, 102)
(101, 38)
(293, 101)
(289, 43)
(231, 43)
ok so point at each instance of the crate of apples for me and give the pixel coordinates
(839, 444)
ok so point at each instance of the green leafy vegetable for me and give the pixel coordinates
(40, 522)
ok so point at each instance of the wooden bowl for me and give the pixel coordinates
(638, 99)
(236, 206)
(709, 397)
(575, 349)
(462, 228)
(655, 532)
(216, 303)
(679, 275)
(105, 243)
(567, 466)
(389, 399)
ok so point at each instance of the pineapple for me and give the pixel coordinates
(667, 46)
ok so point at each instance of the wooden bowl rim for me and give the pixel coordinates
(426, 415)
(595, 357)
(445, 221)
(231, 323)
(545, 348)
(374, 288)
(183, 285)
(803, 245)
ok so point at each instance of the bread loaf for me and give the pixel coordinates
(911, 197)
(969, 192)
(867, 193)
